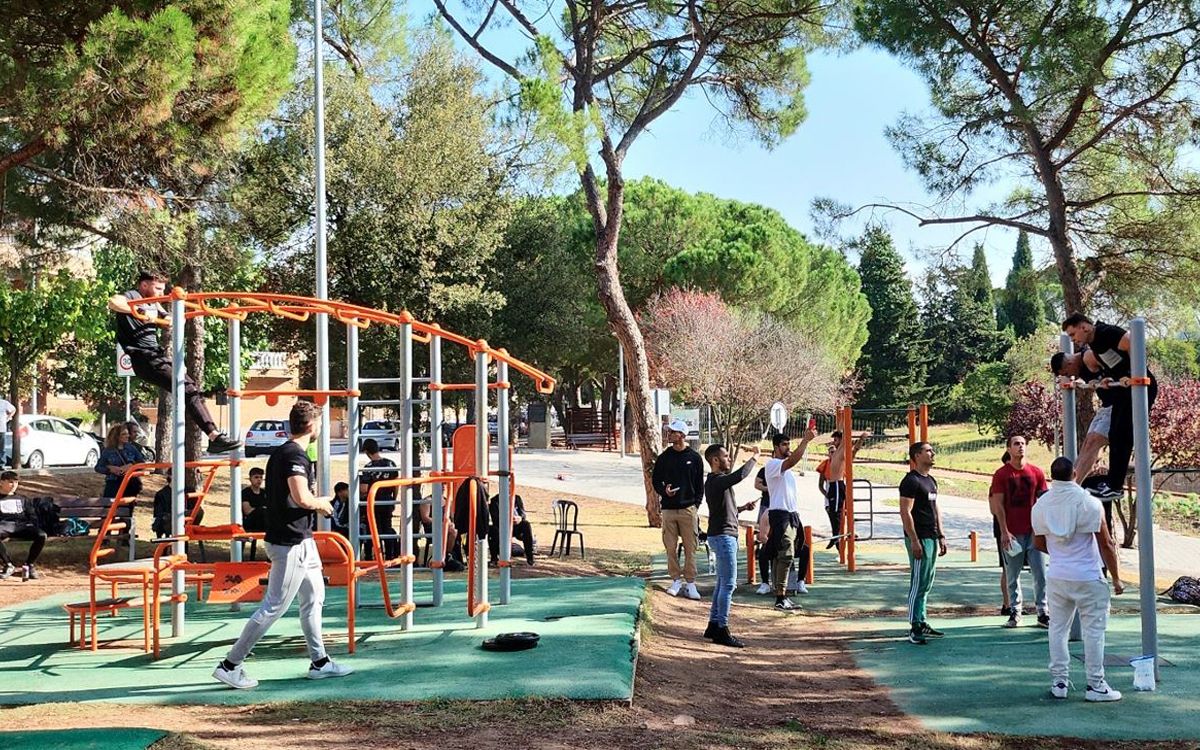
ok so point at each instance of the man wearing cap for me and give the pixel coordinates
(679, 481)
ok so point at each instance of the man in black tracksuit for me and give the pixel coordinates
(679, 481)
(139, 339)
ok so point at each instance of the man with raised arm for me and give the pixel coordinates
(835, 482)
(783, 519)
(723, 535)
(291, 516)
(1071, 368)
(923, 538)
(139, 339)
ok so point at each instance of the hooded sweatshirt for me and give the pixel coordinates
(1069, 517)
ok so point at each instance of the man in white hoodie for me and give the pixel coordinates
(1068, 525)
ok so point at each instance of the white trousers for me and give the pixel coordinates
(294, 570)
(1090, 599)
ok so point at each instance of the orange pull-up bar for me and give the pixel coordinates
(272, 397)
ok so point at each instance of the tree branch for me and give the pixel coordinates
(473, 41)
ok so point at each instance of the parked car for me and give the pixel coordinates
(50, 441)
(264, 436)
(385, 432)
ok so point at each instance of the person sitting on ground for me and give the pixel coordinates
(723, 535)
(783, 519)
(1013, 495)
(254, 500)
(120, 453)
(385, 499)
(678, 478)
(15, 523)
(1068, 525)
(139, 339)
(521, 530)
(923, 538)
(339, 522)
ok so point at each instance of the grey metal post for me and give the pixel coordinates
(406, 469)
(354, 511)
(438, 503)
(1145, 490)
(504, 486)
(235, 429)
(481, 470)
(325, 484)
(621, 394)
(128, 411)
(1070, 438)
(178, 486)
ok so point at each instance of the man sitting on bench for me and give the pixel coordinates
(16, 524)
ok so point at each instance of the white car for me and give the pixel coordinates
(385, 432)
(50, 441)
(264, 436)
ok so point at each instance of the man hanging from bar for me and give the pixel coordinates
(150, 361)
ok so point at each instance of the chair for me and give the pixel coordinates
(566, 525)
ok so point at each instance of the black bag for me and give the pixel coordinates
(43, 513)
(1185, 590)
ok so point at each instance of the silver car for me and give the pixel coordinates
(264, 436)
(50, 441)
(385, 432)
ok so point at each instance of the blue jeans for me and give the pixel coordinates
(724, 548)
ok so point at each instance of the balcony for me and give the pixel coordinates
(267, 361)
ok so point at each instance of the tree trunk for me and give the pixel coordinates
(14, 395)
(1060, 241)
(162, 433)
(190, 279)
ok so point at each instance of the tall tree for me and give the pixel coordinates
(962, 328)
(892, 365)
(601, 72)
(980, 279)
(1022, 305)
(1085, 103)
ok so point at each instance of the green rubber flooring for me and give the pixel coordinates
(82, 739)
(587, 650)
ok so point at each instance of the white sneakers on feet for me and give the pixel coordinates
(235, 678)
(675, 586)
(1101, 693)
(329, 669)
(763, 589)
(801, 588)
(691, 592)
(1058, 689)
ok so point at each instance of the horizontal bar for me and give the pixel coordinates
(272, 397)
(380, 402)
(369, 381)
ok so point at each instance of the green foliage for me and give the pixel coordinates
(892, 364)
(963, 327)
(1174, 358)
(987, 395)
(979, 279)
(1028, 359)
(1021, 303)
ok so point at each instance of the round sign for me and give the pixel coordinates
(126, 362)
(779, 415)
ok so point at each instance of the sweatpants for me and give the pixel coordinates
(294, 570)
(920, 578)
(25, 531)
(1120, 436)
(1090, 599)
(679, 524)
(155, 368)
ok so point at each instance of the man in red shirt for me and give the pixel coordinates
(1015, 488)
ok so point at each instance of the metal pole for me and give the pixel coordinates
(353, 510)
(1070, 415)
(128, 413)
(481, 470)
(325, 487)
(1145, 490)
(235, 429)
(178, 476)
(621, 393)
(406, 469)
(504, 486)
(438, 503)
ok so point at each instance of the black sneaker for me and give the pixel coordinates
(1014, 620)
(725, 638)
(929, 632)
(222, 443)
(1043, 622)
(832, 544)
(712, 630)
(1103, 492)
(1006, 611)
(916, 635)
(29, 573)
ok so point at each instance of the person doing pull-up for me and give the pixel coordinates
(139, 339)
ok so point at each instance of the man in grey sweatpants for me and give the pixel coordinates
(291, 514)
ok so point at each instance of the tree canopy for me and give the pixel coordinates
(892, 365)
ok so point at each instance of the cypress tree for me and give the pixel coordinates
(892, 363)
(1023, 308)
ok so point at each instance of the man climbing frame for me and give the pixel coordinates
(139, 339)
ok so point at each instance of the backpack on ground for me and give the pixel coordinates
(1185, 590)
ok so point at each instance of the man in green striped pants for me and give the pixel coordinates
(923, 538)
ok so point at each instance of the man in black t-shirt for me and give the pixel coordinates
(1109, 355)
(291, 516)
(139, 339)
(385, 499)
(16, 523)
(923, 538)
(254, 499)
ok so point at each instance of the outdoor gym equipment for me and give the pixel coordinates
(235, 307)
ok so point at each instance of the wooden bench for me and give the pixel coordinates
(577, 440)
(92, 511)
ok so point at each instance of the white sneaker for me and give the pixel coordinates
(692, 593)
(1102, 693)
(763, 589)
(787, 605)
(675, 586)
(235, 678)
(801, 588)
(330, 669)
(1059, 689)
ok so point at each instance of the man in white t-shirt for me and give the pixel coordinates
(783, 517)
(1068, 525)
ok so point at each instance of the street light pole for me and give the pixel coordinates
(325, 481)
(621, 393)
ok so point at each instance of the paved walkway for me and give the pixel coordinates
(607, 476)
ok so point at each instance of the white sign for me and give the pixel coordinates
(690, 416)
(779, 415)
(662, 401)
(124, 364)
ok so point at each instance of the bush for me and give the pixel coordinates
(987, 395)
(1175, 359)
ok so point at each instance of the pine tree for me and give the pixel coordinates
(892, 363)
(962, 327)
(1023, 307)
(979, 281)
